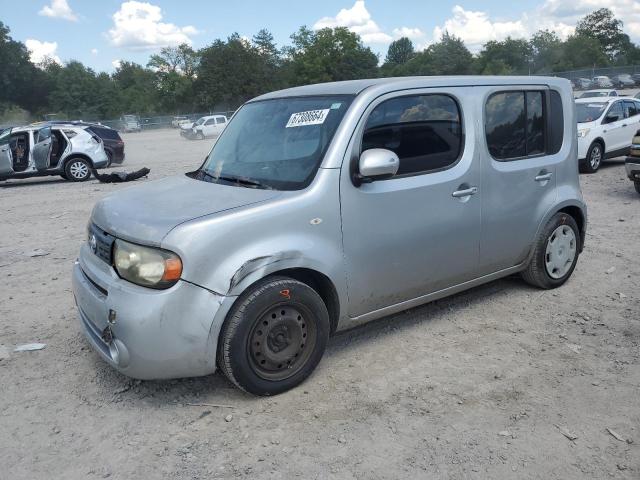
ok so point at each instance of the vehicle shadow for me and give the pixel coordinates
(28, 182)
(215, 390)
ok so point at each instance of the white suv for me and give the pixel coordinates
(605, 129)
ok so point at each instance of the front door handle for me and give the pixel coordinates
(465, 192)
(543, 177)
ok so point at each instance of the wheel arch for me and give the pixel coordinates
(600, 140)
(73, 156)
(575, 210)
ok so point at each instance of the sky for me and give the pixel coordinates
(102, 33)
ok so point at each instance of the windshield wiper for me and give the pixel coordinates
(234, 179)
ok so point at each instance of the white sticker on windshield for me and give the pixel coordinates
(311, 117)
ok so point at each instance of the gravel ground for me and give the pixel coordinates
(502, 381)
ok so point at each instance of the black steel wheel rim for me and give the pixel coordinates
(281, 341)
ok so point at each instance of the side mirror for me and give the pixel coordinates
(377, 164)
(612, 118)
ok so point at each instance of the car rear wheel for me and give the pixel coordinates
(591, 164)
(77, 170)
(109, 158)
(555, 253)
(274, 336)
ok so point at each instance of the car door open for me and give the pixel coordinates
(41, 148)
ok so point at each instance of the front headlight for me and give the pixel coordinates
(583, 132)
(146, 266)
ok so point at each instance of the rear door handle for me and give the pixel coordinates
(543, 177)
(465, 192)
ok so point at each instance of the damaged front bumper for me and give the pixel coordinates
(145, 333)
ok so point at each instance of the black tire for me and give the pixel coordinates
(537, 273)
(64, 175)
(200, 136)
(77, 169)
(283, 312)
(109, 157)
(637, 185)
(592, 163)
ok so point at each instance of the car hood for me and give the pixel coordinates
(146, 213)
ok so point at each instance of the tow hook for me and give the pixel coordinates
(107, 335)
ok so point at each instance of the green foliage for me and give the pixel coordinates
(328, 55)
(226, 73)
(508, 57)
(400, 52)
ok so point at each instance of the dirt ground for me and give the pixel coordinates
(486, 384)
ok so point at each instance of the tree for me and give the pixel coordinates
(227, 73)
(21, 83)
(328, 55)
(546, 51)
(605, 28)
(400, 52)
(181, 59)
(580, 51)
(138, 89)
(449, 56)
(508, 57)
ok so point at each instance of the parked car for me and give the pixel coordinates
(636, 78)
(623, 80)
(324, 206)
(111, 141)
(598, 93)
(130, 123)
(602, 81)
(209, 126)
(637, 95)
(605, 129)
(178, 121)
(581, 83)
(45, 149)
(632, 162)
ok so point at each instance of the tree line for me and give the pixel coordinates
(224, 74)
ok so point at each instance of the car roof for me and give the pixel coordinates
(603, 99)
(600, 90)
(354, 87)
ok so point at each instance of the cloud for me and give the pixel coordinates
(476, 28)
(94, 51)
(138, 26)
(40, 51)
(59, 9)
(116, 63)
(358, 20)
(410, 33)
(559, 16)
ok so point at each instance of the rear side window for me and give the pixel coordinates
(425, 131)
(515, 124)
(220, 120)
(105, 133)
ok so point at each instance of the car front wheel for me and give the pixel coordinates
(274, 336)
(77, 170)
(555, 253)
(591, 164)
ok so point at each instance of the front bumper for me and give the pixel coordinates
(632, 165)
(153, 334)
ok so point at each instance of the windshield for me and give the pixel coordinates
(588, 112)
(130, 118)
(594, 94)
(200, 121)
(277, 143)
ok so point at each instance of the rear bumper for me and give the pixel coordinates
(145, 333)
(632, 165)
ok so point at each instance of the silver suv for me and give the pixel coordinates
(44, 149)
(325, 206)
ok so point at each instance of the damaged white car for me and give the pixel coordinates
(70, 151)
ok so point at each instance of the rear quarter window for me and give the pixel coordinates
(105, 133)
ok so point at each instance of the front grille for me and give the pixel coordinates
(103, 243)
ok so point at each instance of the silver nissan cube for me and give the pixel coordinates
(325, 206)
